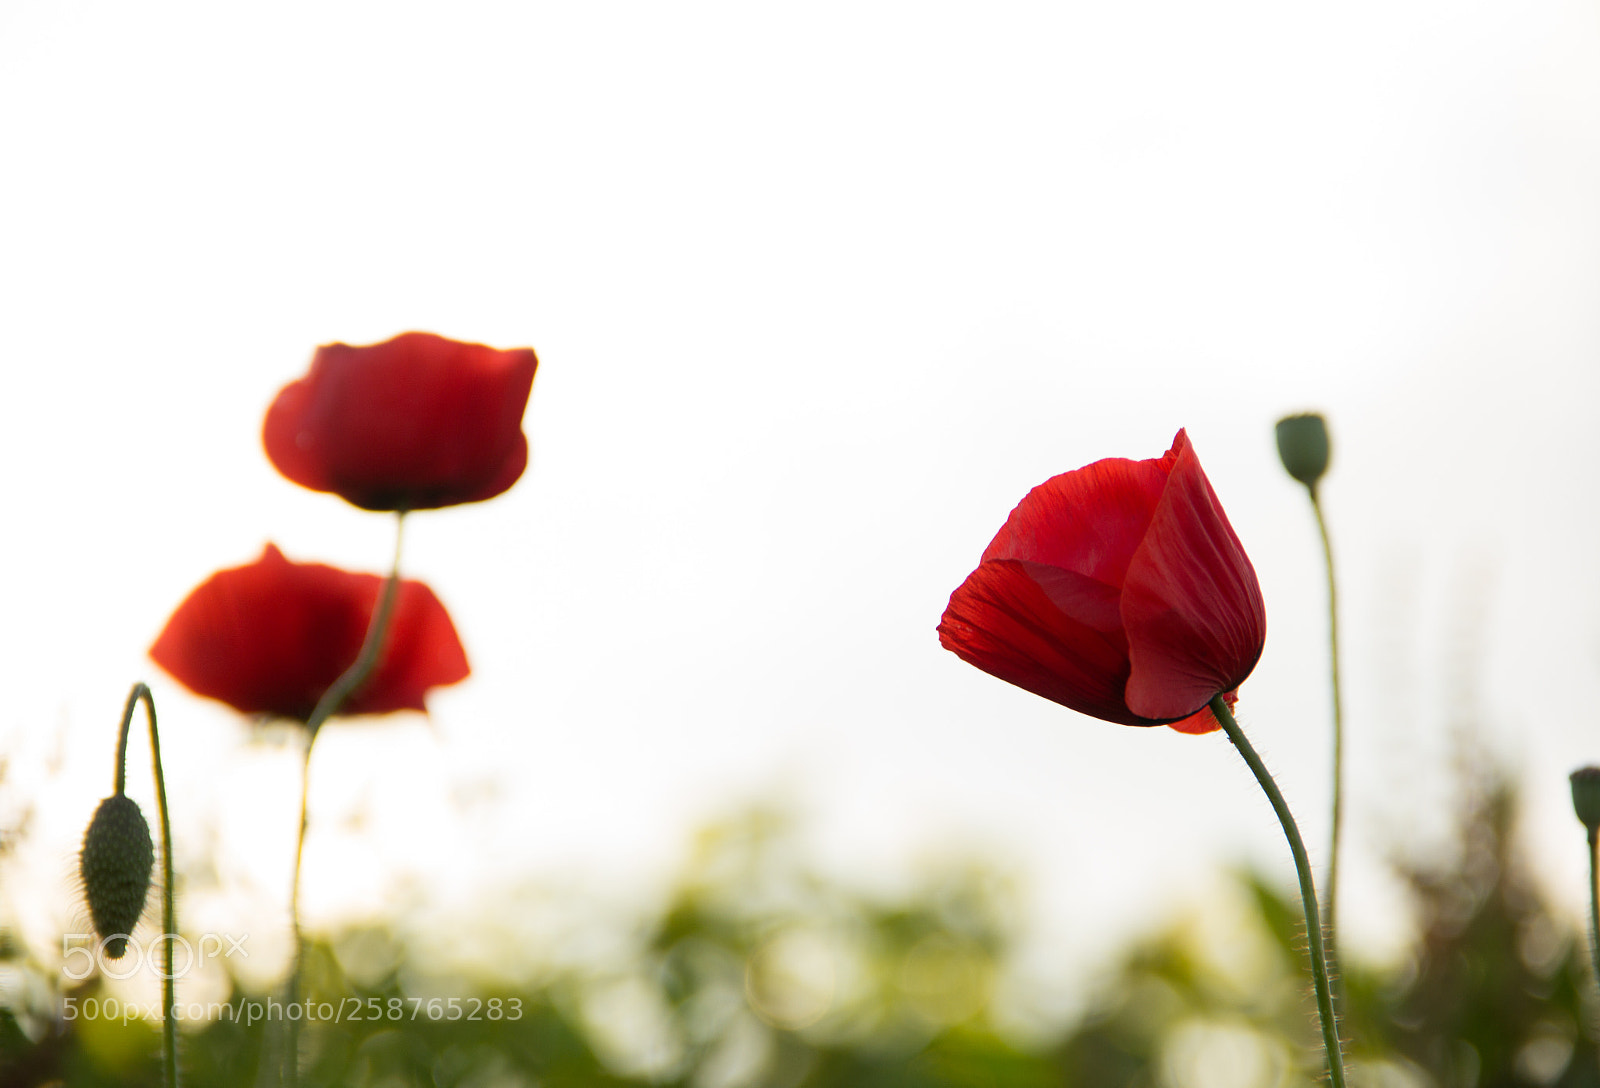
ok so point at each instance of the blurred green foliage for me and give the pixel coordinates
(758, 975)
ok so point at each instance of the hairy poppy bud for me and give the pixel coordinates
(115, 867)
(1586, 797)
(1303, 447)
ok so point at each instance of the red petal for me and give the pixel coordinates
(421, 652)
(414, 423)
(1089, 520)
(1197, 724)
(1191, 604)
(272, 636)
(1203, 721)
(1043, 630)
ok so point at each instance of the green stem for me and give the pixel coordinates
(1338, 735)
(1594, 907)
(356, 675)
(169, 913)
(1308, 891)
(341, 689)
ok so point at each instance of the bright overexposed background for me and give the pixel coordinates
(819, 291)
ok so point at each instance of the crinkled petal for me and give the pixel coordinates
(1089, 520)
(1052, 632)
(1191, 604)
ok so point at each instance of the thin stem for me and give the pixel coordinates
(356, 675)
(169, 913)
(1594, 907)
(291, 1057)
(1308, 891)
(1338, 734)
(341, 689)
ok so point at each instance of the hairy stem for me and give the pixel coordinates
(1308, 890)
(1332, 902)
(1594, 907)
(169, 913)
(341, 689)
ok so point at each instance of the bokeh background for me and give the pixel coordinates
(819, 292)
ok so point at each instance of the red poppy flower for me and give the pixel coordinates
(1118, 590)
(271, 637)
(414, 423)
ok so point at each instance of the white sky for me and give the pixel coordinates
(819, 292)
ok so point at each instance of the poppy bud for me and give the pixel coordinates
(1586, 797)
(115, 866)
(1303, 447)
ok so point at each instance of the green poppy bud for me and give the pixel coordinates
(115, 866)
(1303, 447)
(1586, 797)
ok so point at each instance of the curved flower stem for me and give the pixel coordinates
(169, 913)
(353, 677)
(341, 689)
(1308, 891)
(1332, 903)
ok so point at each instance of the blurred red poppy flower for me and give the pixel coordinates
(414, 423)
(271, 637)
(1118, 590)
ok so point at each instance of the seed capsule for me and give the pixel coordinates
(115, 866)
(1586, 797)
(1303, 447)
